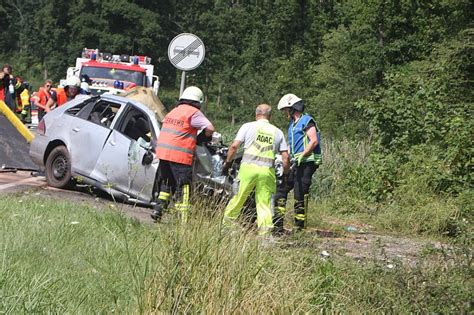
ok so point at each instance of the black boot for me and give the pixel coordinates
(300, 215)
(278, 217)
(157, 213)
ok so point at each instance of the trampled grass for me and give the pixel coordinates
(62, 257)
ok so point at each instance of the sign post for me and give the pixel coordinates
(186, 52)
(183, 82)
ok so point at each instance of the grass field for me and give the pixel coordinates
(61, 257)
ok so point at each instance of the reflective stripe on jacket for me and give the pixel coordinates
(298, 140)
(25, 98)
(261, 152)
(177, 139)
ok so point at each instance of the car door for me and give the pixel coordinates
(121, 160)
(87, 139)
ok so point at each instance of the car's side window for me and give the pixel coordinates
(136, 125)
(103, 113)
(82, 107)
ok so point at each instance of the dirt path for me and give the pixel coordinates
(364, 247)
(358, 244)
(95, 199)
(22, 182)
(18, 181)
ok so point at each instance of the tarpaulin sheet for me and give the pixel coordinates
(13, 148)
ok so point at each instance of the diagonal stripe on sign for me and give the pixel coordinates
(186, 51)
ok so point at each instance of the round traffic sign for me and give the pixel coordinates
(186, 51)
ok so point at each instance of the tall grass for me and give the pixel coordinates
(207, 271)
(348, 184)
(338, 156)
(68, 258)
(60, 257)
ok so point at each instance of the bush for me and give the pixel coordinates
(421, 116)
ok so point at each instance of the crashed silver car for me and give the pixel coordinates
(108, 142)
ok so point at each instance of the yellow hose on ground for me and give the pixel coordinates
(16, 122)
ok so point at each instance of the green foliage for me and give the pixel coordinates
(393, 77)
(421, 119)
(344, 168)
(392, 196)
(332, 54)
(341, 79)
(461, 225)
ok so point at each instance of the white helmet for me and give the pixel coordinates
(288, 100)
(73, 81)
(85, 87)
(192, 93)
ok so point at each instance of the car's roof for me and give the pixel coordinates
(120, 99)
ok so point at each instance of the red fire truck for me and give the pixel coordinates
(114, 73)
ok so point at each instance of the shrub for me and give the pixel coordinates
(421, 115)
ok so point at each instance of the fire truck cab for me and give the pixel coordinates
(113, 73)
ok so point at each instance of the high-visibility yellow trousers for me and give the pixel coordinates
(264, 181)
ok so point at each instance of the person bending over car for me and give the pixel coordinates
(63, 95)
(175, 150)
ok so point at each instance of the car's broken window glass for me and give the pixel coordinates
(74, 111)
(135, 126)
(104, 113)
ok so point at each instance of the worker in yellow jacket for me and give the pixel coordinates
(262, 141)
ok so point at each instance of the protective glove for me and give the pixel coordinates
(226, 167)
(299, 159)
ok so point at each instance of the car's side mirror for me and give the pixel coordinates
(147, 157)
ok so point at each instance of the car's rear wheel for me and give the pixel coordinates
(58, 168)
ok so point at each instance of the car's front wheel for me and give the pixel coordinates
(58, 168)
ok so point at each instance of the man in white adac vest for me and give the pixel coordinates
(262, 141)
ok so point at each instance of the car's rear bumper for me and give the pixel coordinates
(38, 148)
